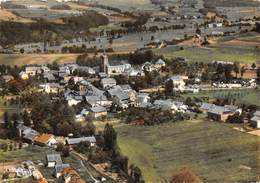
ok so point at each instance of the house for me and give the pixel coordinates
(86, 69)
(143, 100)
(23, 75)
(119, 97)
(33, 70)
(205, 107)
(108, 83)
(53, 160)
(26, 133)
(7, 78)
(59, 168)
(45, 139)
(94, 101)
(98, 112)
(255, 120)
(170, 105)
(220, 113)
(52, 88)
(69, 175)
(159, 64)
(74, 100)
(178, 82)
(73, 141)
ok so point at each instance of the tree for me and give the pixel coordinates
(110, 137)
(26, 119)
(6, 120)
(242, 71)
(169, 87)
(253, 65)
(59, 147)
(236, 68)
(65, 151)
(135, 175)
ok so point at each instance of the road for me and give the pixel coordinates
(89, 169)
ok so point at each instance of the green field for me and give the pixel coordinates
(214, 151)
(247, 96)
(244, 48)
(214, 53)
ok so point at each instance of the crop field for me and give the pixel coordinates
(23, 59)
(214, 151)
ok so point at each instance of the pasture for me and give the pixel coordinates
(214, 151)
(24, 59)
(244, 49)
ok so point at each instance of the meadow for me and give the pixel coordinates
(25, 59)
(214, 151)
(244, 49)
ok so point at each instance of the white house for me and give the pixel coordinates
(255, 120)
(178, 82)
(108, 83)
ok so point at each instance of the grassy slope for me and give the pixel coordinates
(23, 59)
(244, 51)
(212, 150)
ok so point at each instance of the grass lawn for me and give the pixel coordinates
(214, 151)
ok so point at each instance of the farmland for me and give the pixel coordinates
(19, 59)
(214, 151)
(244, 49)
(247, 96)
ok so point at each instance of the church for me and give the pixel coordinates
(117, 68)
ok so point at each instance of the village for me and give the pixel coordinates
(155, 91)
(100, 94)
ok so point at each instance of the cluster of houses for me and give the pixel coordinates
(62, 171)
(100, 99)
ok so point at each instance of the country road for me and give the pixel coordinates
(90, 169)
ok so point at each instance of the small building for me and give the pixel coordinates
(108, 83)
(45, 140)
(178, 82)
(98, 112)
(255, 120)
(220, 113)
(23, 75)
(33, 70)
(205, 107)
(53, 160)
(53, 88)
(74, 141)
(59, 168)
(70, 175)
(7, 78)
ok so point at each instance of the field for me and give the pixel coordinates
(8, 16)
(244, 49)
(19, 59)
(247, 96)
(214, 151)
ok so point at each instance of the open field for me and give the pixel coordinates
(8, 16)
(247, 96)
(244, 49)
(23, 59)
(214, 151)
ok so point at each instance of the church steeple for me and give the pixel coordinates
(104, 63)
